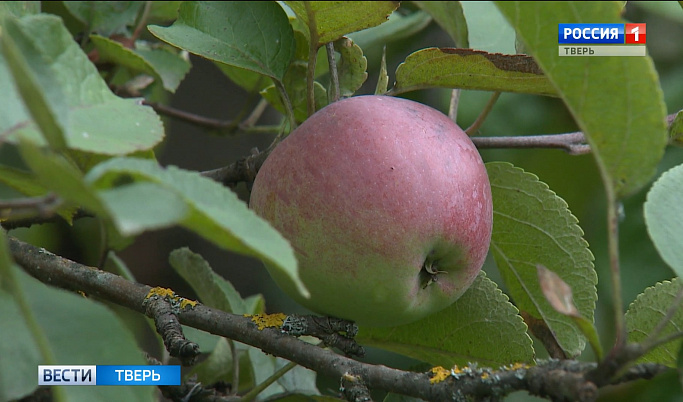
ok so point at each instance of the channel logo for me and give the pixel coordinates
(108, 375)
(602, 39)
(601, 34)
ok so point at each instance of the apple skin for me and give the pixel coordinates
(374, 193)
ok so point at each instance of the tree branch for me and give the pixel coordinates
(37, 219)
(14, 213)
(553, 379)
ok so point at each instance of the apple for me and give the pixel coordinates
(387, 205)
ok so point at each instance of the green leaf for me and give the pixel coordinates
(396, 28)
(105, 17)
(28, 184)
(560, 296)
(669, 10)
(254, 35)
(20, 356)
(246, 79)
(470, 69)
(171, 66)
(56, 173)
(531, 226)
(450, 16)
(664, 217)
(679, 365)
(218, 366)
(138, 207)
(304, 398)
(164, 10)
(164, 65)
(454, 335)
(216, 292)
(21, 352)
(645, 313)
(98, 121)
(18, 8)
(36, 84)
(616, 101)
(215, 212)
(85, 340)
(676, 129)
(352, 67)
(213, 290)
(328, 21)
(487, 28)
(116, 265)
(24, 182)
(127, 210)
(297, 380)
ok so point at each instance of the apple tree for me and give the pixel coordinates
(132, 133)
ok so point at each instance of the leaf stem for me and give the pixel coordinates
(482, 116)
(289, 109)
(615, 272)
(235, 366)
(249, 396)
(334, 75)
(310, 78)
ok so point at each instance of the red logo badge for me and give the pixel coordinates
(635, 33)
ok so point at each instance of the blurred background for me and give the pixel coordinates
(208, 92)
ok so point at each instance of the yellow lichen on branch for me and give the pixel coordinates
(170, 296)
(438, 374)
(267, 320)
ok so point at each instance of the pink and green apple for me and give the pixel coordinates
(387, 205)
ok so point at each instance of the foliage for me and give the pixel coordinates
(77, 85)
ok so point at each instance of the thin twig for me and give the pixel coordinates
(574, 143)
(143, 22)
(229, 126)
(191, 117)
(482, 116)
(334, 75)
(453, 106)
(255, 114)
(37, 203)
(29, 208)
(51, 217)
